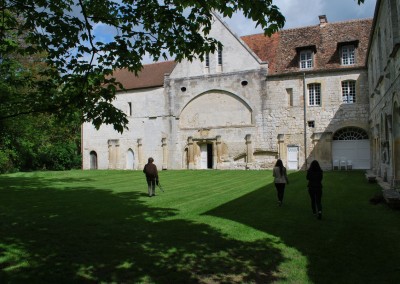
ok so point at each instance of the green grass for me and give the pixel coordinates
(207, 227)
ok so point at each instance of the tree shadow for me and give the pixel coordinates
(337, 248)
(90, 235)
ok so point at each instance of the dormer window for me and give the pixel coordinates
(306, 56)
(347, 52)
(306, 59)
(347, 55)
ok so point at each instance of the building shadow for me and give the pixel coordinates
(89, 235)
(335, 250)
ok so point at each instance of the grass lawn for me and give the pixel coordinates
(207, 227)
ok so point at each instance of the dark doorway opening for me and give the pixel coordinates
(209, 156)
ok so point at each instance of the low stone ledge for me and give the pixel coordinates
(392, 197)
(370, 177)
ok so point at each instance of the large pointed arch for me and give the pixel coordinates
(216, 108)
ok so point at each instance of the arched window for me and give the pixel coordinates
(350, 133)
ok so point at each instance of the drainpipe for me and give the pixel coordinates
(305, 120)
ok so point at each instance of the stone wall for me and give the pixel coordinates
(384, 86)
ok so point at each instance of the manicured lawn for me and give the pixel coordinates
(207, 227)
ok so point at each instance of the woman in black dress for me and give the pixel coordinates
(314, 177)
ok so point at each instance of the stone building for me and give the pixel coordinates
(384, 90)
(299, 95)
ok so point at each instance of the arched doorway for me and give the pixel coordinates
(351, 144)
(130, 160)
(93, 160)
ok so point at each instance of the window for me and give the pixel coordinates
(306, 59)
(129, 109)
(349, 92)
(207, 60)
(347, 57)
(314, 94)
(289, 92)
(219, 56)
(311, 123)
(350, 133)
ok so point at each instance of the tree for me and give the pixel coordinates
(79, 65)
(37, 139)
(38, 142)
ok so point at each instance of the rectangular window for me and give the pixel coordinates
(289, 92)
(347, 57)
(207, 60)
(314, 94)
(306, 59)
(129, 109)
(349, 92)
(220, 56)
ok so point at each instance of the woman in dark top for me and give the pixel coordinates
(314, 177)
(280, 180)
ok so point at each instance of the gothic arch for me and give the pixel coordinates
(216, 108)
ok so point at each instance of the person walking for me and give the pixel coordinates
(151, 172)
(280, 180)
(314, 177)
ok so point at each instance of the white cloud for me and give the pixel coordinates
(301, 13)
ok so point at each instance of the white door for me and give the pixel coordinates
(293, 157)
(130, 160)
(203, 156)
(356, 151)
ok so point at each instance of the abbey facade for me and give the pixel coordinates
(384, 91)
(300, 95)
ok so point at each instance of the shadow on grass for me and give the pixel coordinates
(355, 242)
(88, 235)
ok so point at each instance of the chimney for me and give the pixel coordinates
(322, 20)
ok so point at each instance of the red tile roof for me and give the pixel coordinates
(280, 50)
(152, 75)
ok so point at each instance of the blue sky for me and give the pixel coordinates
(301, 13)
(298, 13)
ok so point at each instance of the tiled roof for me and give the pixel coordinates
(265, 47)
(280, 50)
(152, 75)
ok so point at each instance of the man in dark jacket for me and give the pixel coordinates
(151, 176)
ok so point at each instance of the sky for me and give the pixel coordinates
(302, 13)
(298, 13)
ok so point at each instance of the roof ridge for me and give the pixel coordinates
(314, 26)
(160, 62)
